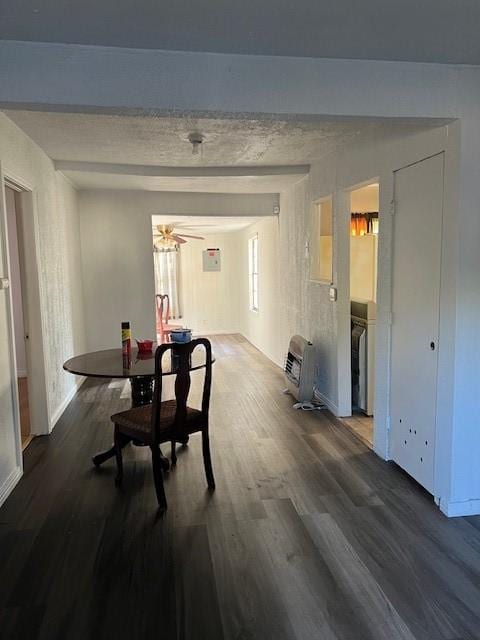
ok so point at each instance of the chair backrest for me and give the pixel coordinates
(163, 308)
(182, 354)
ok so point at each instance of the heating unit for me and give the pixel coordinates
(299, 368)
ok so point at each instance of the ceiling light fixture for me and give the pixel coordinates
(196, 140)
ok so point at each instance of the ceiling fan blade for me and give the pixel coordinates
(186, 235)
(178, 239)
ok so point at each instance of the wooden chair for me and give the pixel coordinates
(162, 304)
(169, 421)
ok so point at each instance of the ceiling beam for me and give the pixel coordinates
(66, 77)
(183, 172)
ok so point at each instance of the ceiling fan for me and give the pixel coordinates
(164, 235)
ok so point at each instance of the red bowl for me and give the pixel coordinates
(144, 346)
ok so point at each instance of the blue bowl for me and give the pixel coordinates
(181, 335)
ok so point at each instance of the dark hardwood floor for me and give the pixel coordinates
(308, 535)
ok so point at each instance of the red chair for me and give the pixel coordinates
(162, 302)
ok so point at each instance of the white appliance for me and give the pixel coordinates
(363, 354)
(299, 368)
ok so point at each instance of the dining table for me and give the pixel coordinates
(139, 368)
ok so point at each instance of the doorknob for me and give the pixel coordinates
(432, 346)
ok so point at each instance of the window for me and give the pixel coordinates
(166, 263)
(321, 242)
(253, 272)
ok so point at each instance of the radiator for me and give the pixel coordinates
(299, 368)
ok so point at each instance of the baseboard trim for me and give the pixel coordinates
(267, 355)
(214, 333)
(320, 397)
(9, 484)
(458, 509)
(64, 404)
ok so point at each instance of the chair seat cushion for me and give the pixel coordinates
(138, 421)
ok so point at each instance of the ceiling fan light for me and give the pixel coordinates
(165, 244)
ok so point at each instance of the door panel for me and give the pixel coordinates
(416, 293)
(9, 438)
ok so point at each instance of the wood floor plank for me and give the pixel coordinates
(250, 602)
(398, 562)
(308, 535)
(371, 602)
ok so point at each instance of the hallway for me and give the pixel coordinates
(308, 535)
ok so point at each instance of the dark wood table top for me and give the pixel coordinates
(110, 364)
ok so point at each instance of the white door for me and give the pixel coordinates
(417, 245)
(10, 449)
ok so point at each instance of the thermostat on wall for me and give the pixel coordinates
(211, 260)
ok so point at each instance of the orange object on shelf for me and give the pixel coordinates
(362, 226)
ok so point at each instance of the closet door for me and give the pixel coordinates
(417, 246)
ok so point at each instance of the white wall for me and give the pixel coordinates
(463, 443)
(262, 327)
(218, 302)
(210, 301)
(57, 332)
(15, 283)
(57, 254)
(117, 259)
(363, 267)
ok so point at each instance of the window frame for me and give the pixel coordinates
(253, 274)
(316, 209)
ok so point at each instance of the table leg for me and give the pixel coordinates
(142, 390)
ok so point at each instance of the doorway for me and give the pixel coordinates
(203, 264)
(364, 228)
(17, 285)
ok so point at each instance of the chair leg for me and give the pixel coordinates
(118, 444)
(158, 477)
(173, 457)
(207, 460)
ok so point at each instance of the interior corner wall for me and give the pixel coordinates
(117, 258)
(463, 446)
(56, 256)
(263, 328)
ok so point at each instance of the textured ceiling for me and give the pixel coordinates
(428, 31)
(203, 225)
(128, 152)
(164, 141)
